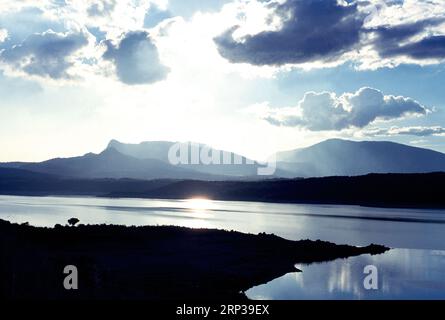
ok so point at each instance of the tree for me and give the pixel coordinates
(73, 221)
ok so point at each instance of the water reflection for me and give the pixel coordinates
(400, 228)
(402, 274)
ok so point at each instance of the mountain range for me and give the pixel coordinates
(149, 161)
(337, 157)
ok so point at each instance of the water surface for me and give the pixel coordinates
(415, 269)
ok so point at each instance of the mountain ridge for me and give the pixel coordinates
(348, 158)
(334, 157)
(241, 167)
(110, 163)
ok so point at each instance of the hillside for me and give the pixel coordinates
(386, 190)
(349, 158)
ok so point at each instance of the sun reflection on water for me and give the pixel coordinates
(199, 205)
(200, 210)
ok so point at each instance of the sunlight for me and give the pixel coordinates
(199, 212)
(199, 204)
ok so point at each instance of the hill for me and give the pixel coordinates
(385, 190)
(337, 157)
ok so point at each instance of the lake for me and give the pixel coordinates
(414, 269)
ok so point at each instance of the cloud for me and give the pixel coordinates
(49, 41)
(188, 8)
(19, 4)
(155, 15)
(299, 33)
(319, 30)
(397, 40)
(413, 131)
(111, 17)
(327, 111)
(26, 21)
(136, 59)
(3, 34)
(369, 34)
(45, 54)
(101, 8)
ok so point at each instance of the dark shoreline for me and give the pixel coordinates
(150, 263)
(374, 190)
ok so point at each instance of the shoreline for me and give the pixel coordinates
(151, 263)
(141, 197)
(417, 191)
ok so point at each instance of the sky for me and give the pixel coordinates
(248, 76)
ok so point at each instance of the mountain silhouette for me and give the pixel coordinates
(150, 160)
(237, 166)
(144, 150)
(338, 157)
(112, 164)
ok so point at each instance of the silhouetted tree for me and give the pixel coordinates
(73, 221)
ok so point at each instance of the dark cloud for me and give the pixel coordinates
(323, 30)
(326, 111)
(396, 40)
(46, 54)
(316, 30)
(427, 48)
(393, 35)
(136, 59)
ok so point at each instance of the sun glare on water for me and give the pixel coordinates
(199, 204)
(199, 212)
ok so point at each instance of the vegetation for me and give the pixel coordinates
(155, 263)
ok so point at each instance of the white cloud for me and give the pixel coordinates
(19, 4)
(110, 16)
(326, 111)
(412, 131)
(3, 35)
(188, 45)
